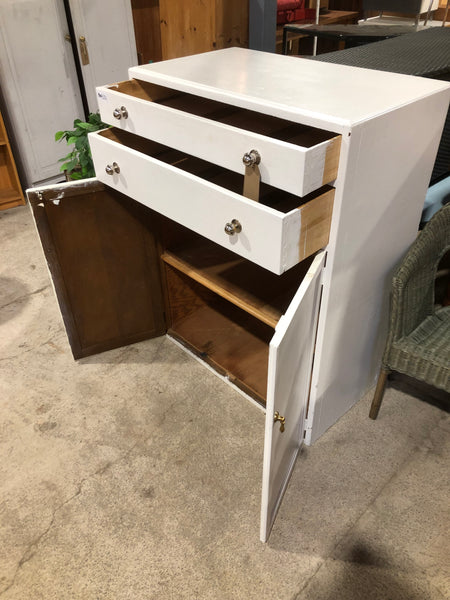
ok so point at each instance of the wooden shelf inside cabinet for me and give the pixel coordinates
(10, 189)
(9, 195)
(253, 289)
(228, 339)
(232, 349)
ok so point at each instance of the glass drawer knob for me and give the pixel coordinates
(120, 113)
(111, 169)
(252, 158)
(233, 227)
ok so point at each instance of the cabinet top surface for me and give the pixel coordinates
(297, 89)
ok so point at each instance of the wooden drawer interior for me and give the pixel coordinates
(225, 308)
(280, 129)
(278, 199)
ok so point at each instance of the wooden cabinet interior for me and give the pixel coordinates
(226, 337)
(10, 189)
(101, 252)
(223, 307)
(123, 273)
(249, 287)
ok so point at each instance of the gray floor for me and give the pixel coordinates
(135, 474)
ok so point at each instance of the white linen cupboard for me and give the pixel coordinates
(279, 194)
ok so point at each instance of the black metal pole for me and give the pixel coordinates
(73, 43)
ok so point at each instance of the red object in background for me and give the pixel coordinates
(290, 4)
(289, 11)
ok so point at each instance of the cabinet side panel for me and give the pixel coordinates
(103, 262)
(385, 168)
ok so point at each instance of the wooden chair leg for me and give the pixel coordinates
(379, 392)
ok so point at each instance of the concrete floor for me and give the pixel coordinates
(135, 474)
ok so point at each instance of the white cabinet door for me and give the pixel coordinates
(38, 82)
(290, 364)
(105, 41)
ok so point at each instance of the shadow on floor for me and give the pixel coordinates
(420, 390)
(16, 296)
(360, 572)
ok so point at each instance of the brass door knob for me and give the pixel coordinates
(120, 113)
(282, 420)
(111, 169)
(233, 227)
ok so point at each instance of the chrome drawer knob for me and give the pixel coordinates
(251, 158)
(120, 113)
(233, 227)
(111, 169)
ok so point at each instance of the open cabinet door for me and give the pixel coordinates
(290, 363)
(103, 260)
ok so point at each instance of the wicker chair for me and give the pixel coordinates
(418, 342)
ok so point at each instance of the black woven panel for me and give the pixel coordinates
(442, 163)
(425, 53)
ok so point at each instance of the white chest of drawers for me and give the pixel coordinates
(285, 296)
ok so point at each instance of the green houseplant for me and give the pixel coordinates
(78, 163)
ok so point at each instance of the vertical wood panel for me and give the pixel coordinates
(231, 23)
(202, 25)
(147, 30)
(188, 28)
(10, 188)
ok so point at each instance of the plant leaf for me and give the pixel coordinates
(70, 166)
(88, 126)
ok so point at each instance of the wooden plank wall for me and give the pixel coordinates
(168, 28)
(187, 28)
(231, 23)
(147, 30)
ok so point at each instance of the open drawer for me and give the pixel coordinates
(276, 233)
(294, 157)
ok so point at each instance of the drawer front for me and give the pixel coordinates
(284, 164)
(269, 238)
